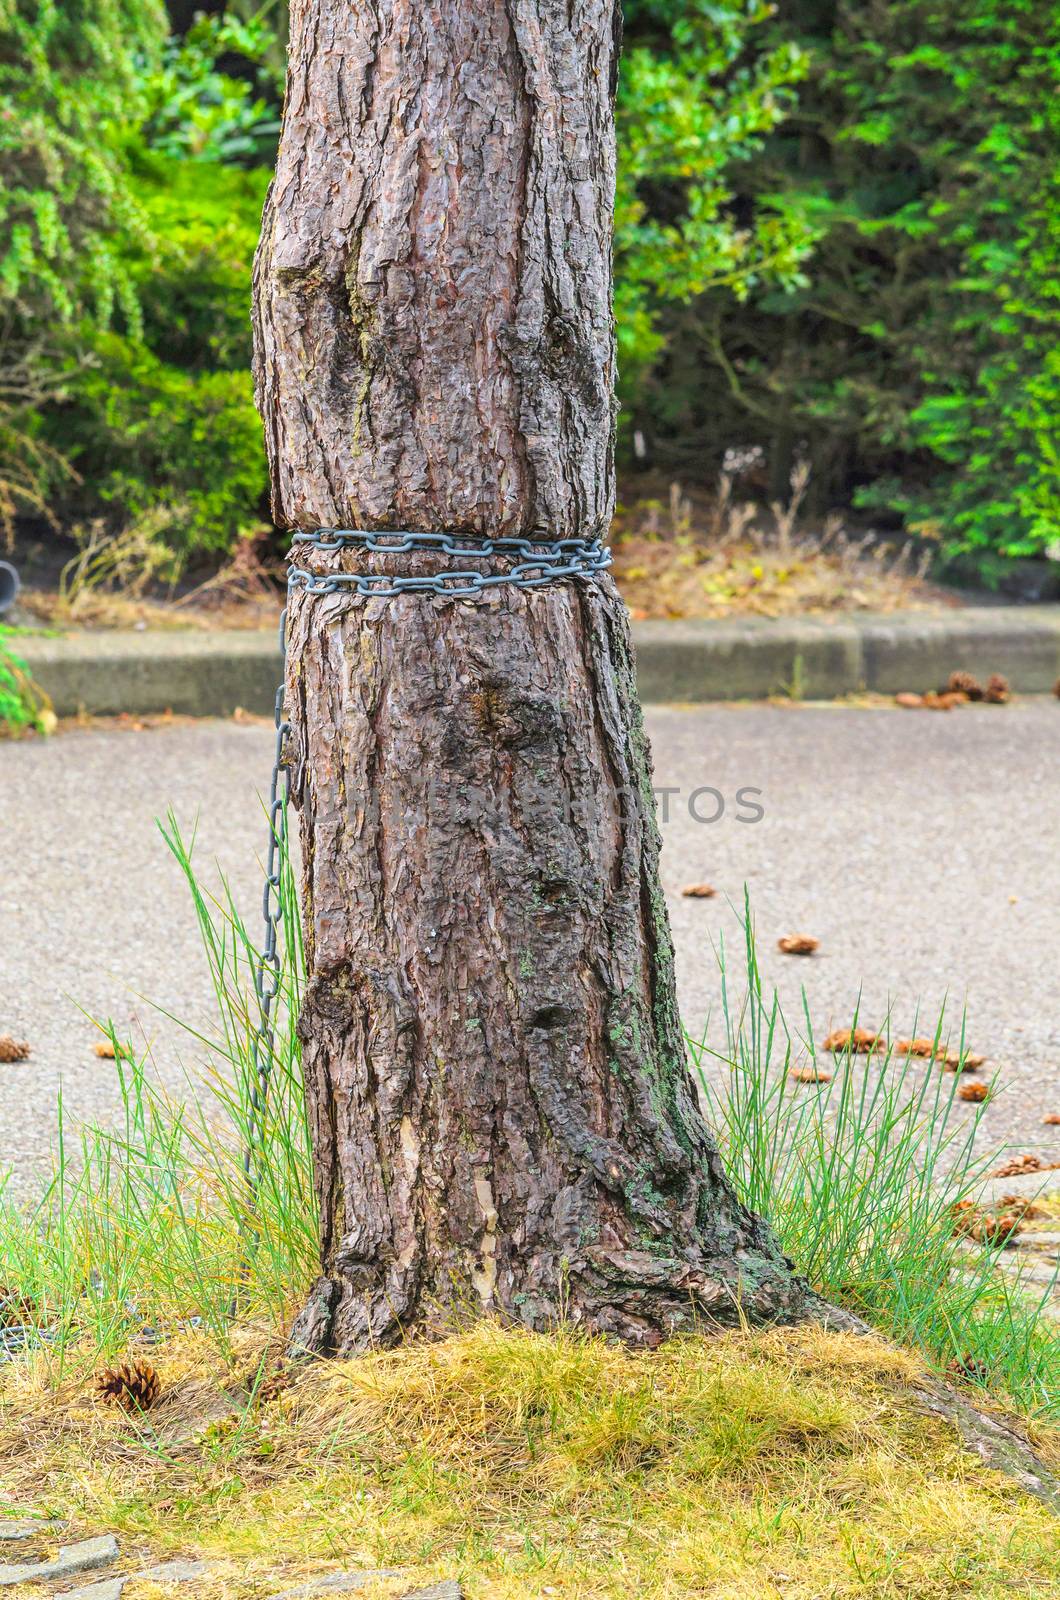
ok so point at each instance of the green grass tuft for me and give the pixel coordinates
(153, 1224)
(859, 1175)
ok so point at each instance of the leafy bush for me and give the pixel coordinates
(195, 293)
(916, 364)
(67, 81)
(167, 419)
(197, 112)
(697, 94)
(190, 441)
(23, 705)
(125, 355)
(986, 344)
(68, 219)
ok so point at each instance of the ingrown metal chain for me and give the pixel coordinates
(539, 561)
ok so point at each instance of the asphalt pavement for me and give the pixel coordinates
(921, 849)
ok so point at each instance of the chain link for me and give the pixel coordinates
(267, 968)
(538, 561)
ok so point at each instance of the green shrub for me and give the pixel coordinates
(67, 83)
(195, 293)
(149, 434)
(984, 234)
(697, 94)
(23, 705)
(195, 111)
(68, 219)
(167, 419)
(164, 436)
(124, 275)
(916, 365)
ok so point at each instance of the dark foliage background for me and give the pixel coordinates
(916, 362)
(836, 243)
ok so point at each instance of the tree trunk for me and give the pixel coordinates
(501, 1110)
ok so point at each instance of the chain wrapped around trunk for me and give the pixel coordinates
(537, 562)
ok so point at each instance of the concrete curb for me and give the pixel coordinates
(210, 674)
(812, 658)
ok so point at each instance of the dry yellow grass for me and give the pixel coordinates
(703, 554)
(746, 1466)
(700, 553)
(102, 609)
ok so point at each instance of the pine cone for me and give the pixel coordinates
(13, 1049)
(809, 1075)
(273, 1387)
(268, 1384)
(798, 944)
(15, 1309)
(106, 1051)
(996, 1231)
(968, 1369)
(953, 1061)
(1021, 1206)
(859, 1041)
(134, 1386)
(997, 689)
(1016, 1166)
(973, 1091)
(984, 1226)
(918, 1047)
(699, 891)
(964, 683)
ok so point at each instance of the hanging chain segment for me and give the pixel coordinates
(536, 562)
(267, 968)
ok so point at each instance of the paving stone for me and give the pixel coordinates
(448, 1589)
(1047, 1243)
(1037, 1275)
(81, 1557)
(1028, 1185)
(165, 1572)
(107, 1589)
(336, 1583)
(175, 1571)
(25, 1528)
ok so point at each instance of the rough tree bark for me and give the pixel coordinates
(501, 1110)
